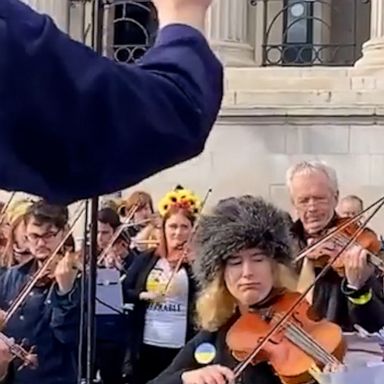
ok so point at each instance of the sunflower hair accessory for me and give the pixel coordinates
(182, 198)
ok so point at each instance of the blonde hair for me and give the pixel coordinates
(14, 216)
(215, 305)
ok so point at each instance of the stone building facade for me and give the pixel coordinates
(304, 80)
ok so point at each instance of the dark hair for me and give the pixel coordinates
(45, 213)
(109, 216)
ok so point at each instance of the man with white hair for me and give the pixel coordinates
(358, 298)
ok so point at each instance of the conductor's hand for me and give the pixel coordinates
(213, 374)
(179, 4)
(190, 12)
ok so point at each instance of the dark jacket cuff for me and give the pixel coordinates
(67, 300)
(354, 293)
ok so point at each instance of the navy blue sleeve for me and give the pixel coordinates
(65, 318)
(74, 125)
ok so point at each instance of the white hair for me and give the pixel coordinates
(310, 167)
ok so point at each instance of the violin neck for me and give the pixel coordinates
(376, 261)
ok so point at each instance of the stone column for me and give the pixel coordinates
(227, 30)
(57, 9)
(373, 50)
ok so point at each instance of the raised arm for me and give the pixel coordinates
(75, 125)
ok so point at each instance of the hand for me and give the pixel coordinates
(189, 12)
(329, 248)
(357, 269)
(112, 260)
(179, 4)
(150, 296)
(213, 374)
(5, 359)
(66, 272)
(334, 368)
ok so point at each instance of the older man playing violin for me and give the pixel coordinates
(357, 297)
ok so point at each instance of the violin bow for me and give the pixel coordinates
(336, 231)
(187, 243)
(115, 236)
(6, 206)
(284, 318)
(39, 273)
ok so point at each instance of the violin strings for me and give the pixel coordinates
(296, 331)
(304, 341)
(341, 240)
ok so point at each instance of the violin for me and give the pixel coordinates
(366, 238)
(27, 357)
(296, 347)
(48, 277)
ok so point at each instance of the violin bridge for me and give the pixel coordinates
(315, 372)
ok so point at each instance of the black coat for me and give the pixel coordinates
(330, 296)
(135, 284)
(185, 361)
(48, 321)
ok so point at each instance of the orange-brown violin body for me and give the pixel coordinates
(288, 359)
(367, 239)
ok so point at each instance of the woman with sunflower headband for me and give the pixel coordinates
(163, 296)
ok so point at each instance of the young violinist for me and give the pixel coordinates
(112, 328)
(161, 286)
(238, 251)
(356, 297)
(49, 318)
(142, 204)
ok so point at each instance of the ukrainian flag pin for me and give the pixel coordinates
(205, 353)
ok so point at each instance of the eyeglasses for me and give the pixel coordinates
(48, 236)
(313, 200)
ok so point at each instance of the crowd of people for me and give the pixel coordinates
(176, 281)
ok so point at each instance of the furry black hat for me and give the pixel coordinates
(236, 224)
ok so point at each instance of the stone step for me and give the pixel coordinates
(298, 79)
(321, 97)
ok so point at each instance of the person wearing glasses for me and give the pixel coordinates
(50, 316)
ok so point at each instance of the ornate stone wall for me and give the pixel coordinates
(274, 116)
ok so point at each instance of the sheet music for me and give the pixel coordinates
(361, 350)
(109, 291)
(363, 361)
(355, 375)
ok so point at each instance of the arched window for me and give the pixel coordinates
(314, 32)
(134, 29)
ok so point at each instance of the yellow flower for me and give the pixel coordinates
(184, 196)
